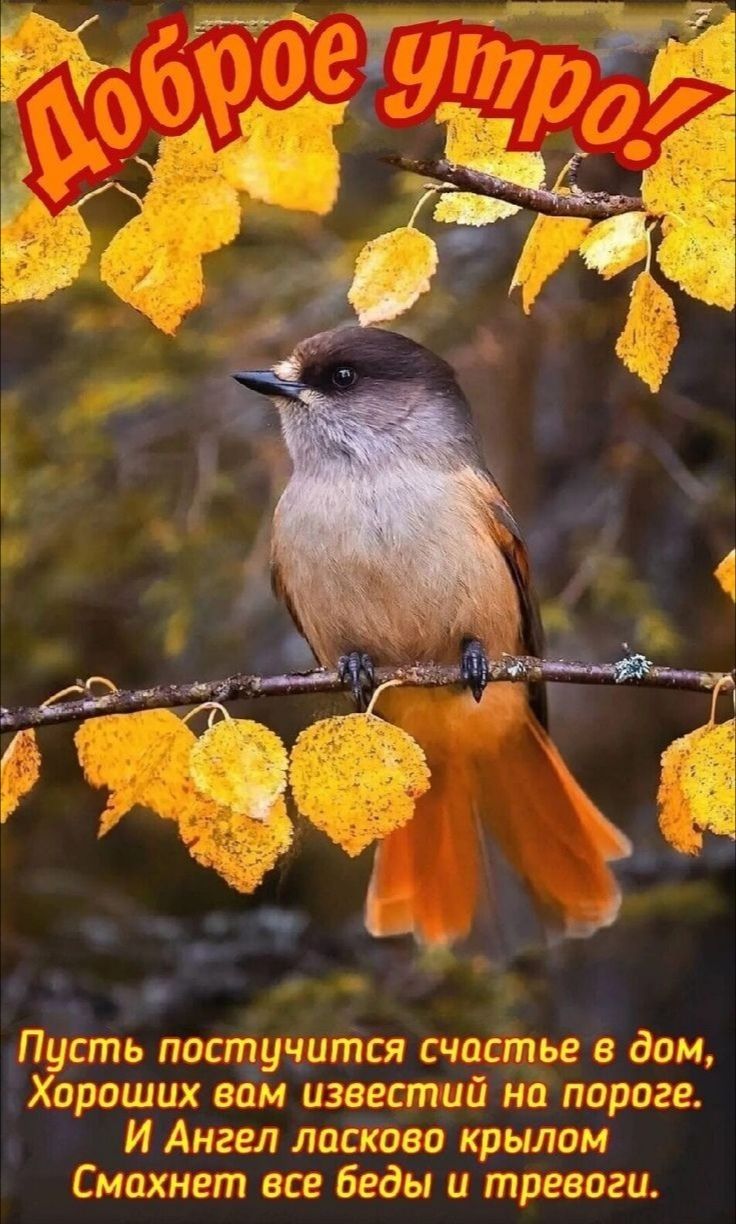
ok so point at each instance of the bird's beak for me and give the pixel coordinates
(268, 383)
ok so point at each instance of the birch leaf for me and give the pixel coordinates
(19, 771)
(615, 244)
(239, 848)
(37, 46)
(41, 253)
(391, 273)
(650, 333)
(548, 244)
(700, 259)
(160, 281)
(240, 764)
(696, 792)
(481, 144)
(357, 778)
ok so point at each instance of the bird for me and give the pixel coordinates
(393, 544)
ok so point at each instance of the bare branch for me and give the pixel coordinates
(521, 669)
(596, 205)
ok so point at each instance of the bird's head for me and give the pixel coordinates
(363, 395)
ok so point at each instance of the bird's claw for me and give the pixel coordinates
(356, 670)
(474, 667)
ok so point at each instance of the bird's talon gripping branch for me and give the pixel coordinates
(356, 670)
(474, 666)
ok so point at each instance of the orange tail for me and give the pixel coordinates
(432, 877)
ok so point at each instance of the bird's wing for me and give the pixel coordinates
(507, 535)
(281, 591)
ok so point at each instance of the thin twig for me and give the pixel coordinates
(596, 205)
(519, 669)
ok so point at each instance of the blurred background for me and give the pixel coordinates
(138, 486)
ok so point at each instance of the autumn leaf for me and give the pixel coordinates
(615, 244)
(160, 281)
(650, 333)
(14, 163)
(481, 144)
(696, 791)
(141, 758)
(19, 771)
(357, 778)
(391, 273)
(693, 179)
(36, 47)
(287, 157)
(726, 574)
(240, 765)
(700, 259)
(41, 253)
(239, 848)
(548, 244)
(189, 205)
(154, 262)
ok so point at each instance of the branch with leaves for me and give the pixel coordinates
(356, 777)
(633, 670)
(593, 205)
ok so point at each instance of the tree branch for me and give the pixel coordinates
(596, 205)
(515, 669)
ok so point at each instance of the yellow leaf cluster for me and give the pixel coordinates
(726, 574)
(37, 46)
(145, 758)
(650, 333)
(693, 181)
(154, 263)
(357, 778)
(481, 144)
(548, 244)
(19, 771)
(241, 765)
(391, 273)
(41, 253)
(615, 244)
(696, 790)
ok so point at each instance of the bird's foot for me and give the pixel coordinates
(356, 671)
(474, 667)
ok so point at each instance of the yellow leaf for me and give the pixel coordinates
(693, 179)
(700, 259)
(142, 758)
(391, 272)
(357, 777)
(154, 262)
(35, 48)
(41, 253)
(239, 848)
(615, 244)
(549, 242)
(697, 789)
(189, 205)
(19, 771)
(481, 144)
(650, 333)
(287, 158)
(240, 765)
(694, 176)
(160, 281)
(726, 574)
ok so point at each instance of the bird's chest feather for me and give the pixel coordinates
(397, 566)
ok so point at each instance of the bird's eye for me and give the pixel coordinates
(343, 377)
